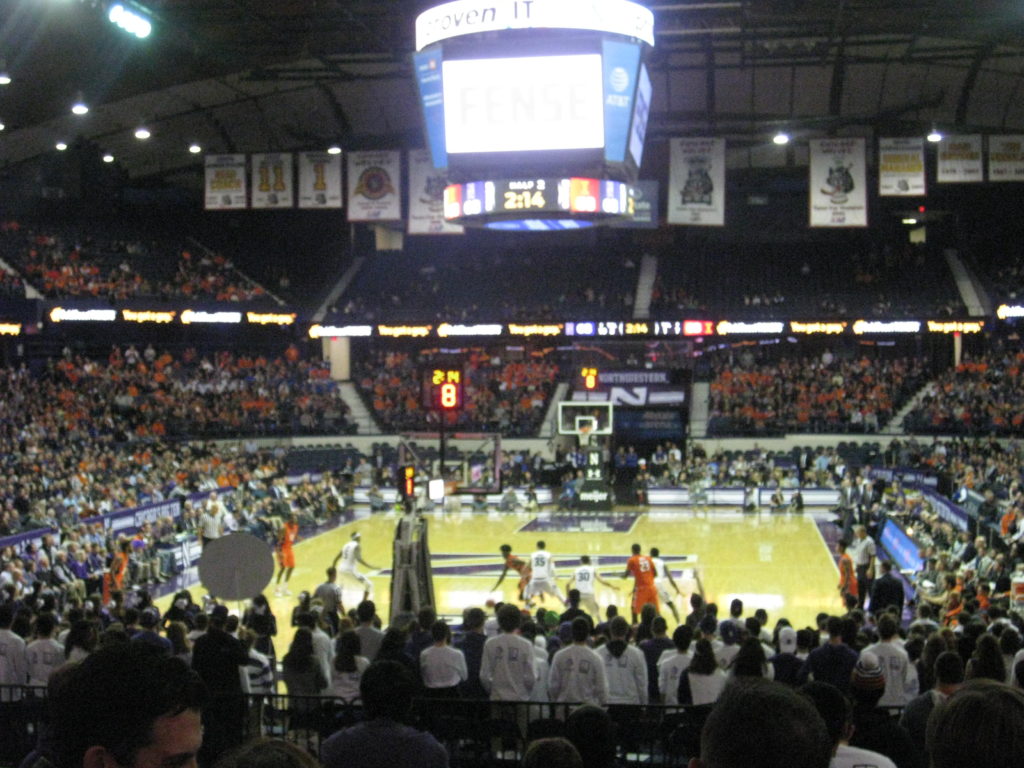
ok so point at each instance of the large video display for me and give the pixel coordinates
(523, 104)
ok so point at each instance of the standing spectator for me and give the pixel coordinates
(652, 649)
(507, 671)
(472, 647)
(329, 595)
(624, 666)
(382, 740)
(832, 662)
(980, 726)
(901, 683)
(348, 668)
(217, 657)
(261, 620)
(369, 635)
(44, 654)
(949, 677)
(13, 664)
(673, 664)
(442, 667)
(577, 672)
(303, 677)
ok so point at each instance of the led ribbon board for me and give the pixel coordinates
(507, 201)
(472, 17)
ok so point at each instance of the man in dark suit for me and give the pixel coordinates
(887, 591)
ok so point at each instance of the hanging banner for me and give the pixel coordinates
(960, 159)
(225, 182)
(1006, 158)
(272, 181)
(837, 187)
(696, 184)
(319, 180)
(901, 167)
(374, 189)
(426, 197)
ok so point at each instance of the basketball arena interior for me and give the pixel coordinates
(708, 311)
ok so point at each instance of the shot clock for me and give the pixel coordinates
(442, 389)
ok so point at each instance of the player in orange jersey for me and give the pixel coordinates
(517, 564)
(642, 569)
(287, 536)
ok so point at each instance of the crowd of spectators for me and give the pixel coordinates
(980, 396)
(810, 395)
(86, 264)
(90, 435)
(499, 395)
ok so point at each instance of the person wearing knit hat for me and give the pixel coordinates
(873, 728)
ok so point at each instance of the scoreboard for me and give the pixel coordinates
(586, 200)
(442, 389)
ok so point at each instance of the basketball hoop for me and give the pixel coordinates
(584, 432)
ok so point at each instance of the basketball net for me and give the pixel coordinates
(585, 430)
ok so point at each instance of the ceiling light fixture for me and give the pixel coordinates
(130, 21)
(334, 149)
(79, 107)
(108, 158)
(2, 126)
(61, 146)
(781, 138)
(934, 136)
(142, 133)
(5, 77)
(194, 148)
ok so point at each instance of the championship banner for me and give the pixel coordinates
(901, 168)
(426, 197)
(225, 182)
(960, 159)
(319, 180)
(374, 187)
(1006, 158)
(837, 187)
(696, 182)
(273, 183)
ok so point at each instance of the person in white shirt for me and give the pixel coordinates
(44, 654)
(542, 575)
(13, 665)
(901, 681)
(323, 648)
(442, 667)
(673, 663)
(662, 580)
(704, 679)
(351, 554)
(211, 520)
(585, 579)
(507, 671)
(577, 672)
(349, 665)
(863, 551)
(624, 666)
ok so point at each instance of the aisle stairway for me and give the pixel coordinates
(699, 395)
(645, 287)
(358, 412)
(895, 425)
(548, 427)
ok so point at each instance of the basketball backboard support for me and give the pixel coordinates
(573, 415)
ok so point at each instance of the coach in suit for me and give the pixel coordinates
(887, 591)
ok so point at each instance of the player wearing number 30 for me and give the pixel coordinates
(542, 574)
(585, 579)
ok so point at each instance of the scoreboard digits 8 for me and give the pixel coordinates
(443, 389)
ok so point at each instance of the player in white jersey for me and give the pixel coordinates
(542, 575)
(662, 581)
(351, 554)
(585, 579)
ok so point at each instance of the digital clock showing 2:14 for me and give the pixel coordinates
(527, 195)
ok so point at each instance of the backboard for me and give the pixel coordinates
(573, 415)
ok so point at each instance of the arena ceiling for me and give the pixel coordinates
(259, 75)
